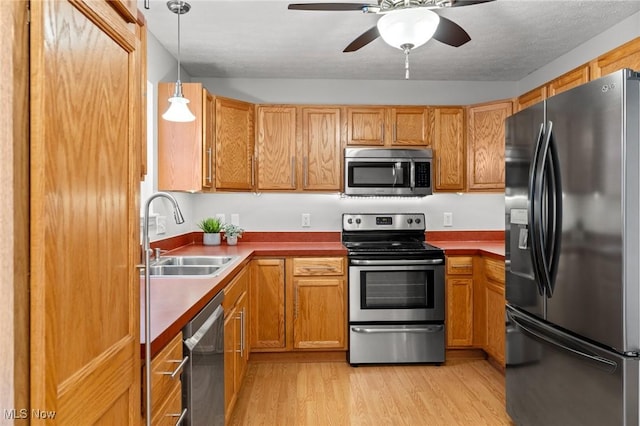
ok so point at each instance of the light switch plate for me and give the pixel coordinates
(306, 220)
(448, 219)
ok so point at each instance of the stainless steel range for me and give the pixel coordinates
(396, 290)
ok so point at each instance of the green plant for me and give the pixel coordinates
(231, 230)
(210, 225)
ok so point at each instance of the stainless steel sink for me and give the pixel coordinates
(186, 266)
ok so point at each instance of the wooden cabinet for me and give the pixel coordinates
(236, 336)
(268, 305)
(532, 97)
(320, 148)
(276, 147)
(625, 56)
(185, 150)
(568, 80)
(390, 126)
(449, 149)
(459, 296)
(319, 303)
(495, 308)
(84, 162)
(166, 386)
(485, 146)
(234, 161)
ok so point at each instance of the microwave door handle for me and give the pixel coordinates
(412, 175)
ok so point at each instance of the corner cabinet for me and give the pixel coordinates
(186, 150)
(235, 163)
(449, 149)
(268, 305)
(485, 146)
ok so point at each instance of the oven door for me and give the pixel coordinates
(396, 290)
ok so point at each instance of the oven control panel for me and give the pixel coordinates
(383, 221)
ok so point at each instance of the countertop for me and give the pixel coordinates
(174, 301)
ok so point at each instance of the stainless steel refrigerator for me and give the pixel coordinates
(572, 215)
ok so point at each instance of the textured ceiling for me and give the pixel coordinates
(263, 39)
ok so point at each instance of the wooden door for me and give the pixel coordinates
(449, 148)
(234, 144)
(85, 167)
(321, 149)
(230, 345)
(319, 313)
(267, 305)
(568, 80)
(409, 126)
(365, 126)
(495, 312)
(241, 337)
(485, 146)
(625, 56)
(276, 147)
(208, 138)
(459, 311)
(532, 97)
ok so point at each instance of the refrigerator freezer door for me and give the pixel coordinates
(553, 378)
(595, 127)
(523, 132)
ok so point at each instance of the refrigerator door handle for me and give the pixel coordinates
(549, 335)
(535, 200)
(553, 233)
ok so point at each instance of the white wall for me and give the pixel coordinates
(274, 212)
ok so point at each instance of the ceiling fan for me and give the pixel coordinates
(405, 24)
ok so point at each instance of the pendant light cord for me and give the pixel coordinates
(179, 13)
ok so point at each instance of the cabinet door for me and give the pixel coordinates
(532, 97)
(568, 80)
(321, 153)
(319, 316)
(449, 149)
(85, 165)
(459, 311)
(409, 126)
(234, 144)
(625, 56)
(208, 136)
(365, 126)
(241, 339)
(495, 320)
(485, 146)
(180, 145)
(230, 344)
(276, 147)
(267, 305)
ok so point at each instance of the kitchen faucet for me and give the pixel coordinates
(177, 215)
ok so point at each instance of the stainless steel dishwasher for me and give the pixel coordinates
(203, 380)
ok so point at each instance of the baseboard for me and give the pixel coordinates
(311, 356)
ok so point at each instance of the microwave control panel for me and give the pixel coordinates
(423, 174)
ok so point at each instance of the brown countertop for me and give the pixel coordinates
(487, 248)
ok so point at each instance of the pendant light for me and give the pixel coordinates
(178, 109)
(406, 29)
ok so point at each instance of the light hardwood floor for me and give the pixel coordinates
(462, 392)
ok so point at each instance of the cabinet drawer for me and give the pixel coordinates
(161, 368)
(168, 413)
(234, 290)
(306, 266)
(494, 270)
(459, 265)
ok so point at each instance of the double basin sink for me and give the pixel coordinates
(203, 266)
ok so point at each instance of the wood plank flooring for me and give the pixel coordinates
(462, 392)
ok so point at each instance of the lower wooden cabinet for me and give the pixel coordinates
(268, 305)
(459, 297)
(236, 337)
(166, 392)
(495, 308)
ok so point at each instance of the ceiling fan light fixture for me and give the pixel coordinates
(412, 26)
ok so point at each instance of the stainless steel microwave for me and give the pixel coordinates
(388, 172)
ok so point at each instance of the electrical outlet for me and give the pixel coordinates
(306, 220)
(235, 219)
(161, 225)
(448, 219)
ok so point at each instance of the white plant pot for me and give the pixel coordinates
(211, 239)
(232, 241)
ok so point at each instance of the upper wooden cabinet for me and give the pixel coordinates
(485, 150)
(448, 148)
(625, 56)
(568, 80)
(388, 126)
(234, 144)
(532, 97)
(185, 150)
(320, 148)
(276, 147)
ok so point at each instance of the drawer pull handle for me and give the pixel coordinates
(178, 369)
(180, 417)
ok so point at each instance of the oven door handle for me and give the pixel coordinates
(399, 262)
(426, 329)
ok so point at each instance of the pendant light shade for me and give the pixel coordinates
(408, 27)
(178, 105)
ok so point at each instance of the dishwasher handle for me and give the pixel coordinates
(192, 341)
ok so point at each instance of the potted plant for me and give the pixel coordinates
(211, 227)
(232, 233)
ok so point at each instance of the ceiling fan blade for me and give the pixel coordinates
(362, 40)
(328, 6)
(459, 3)
(448, 32)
